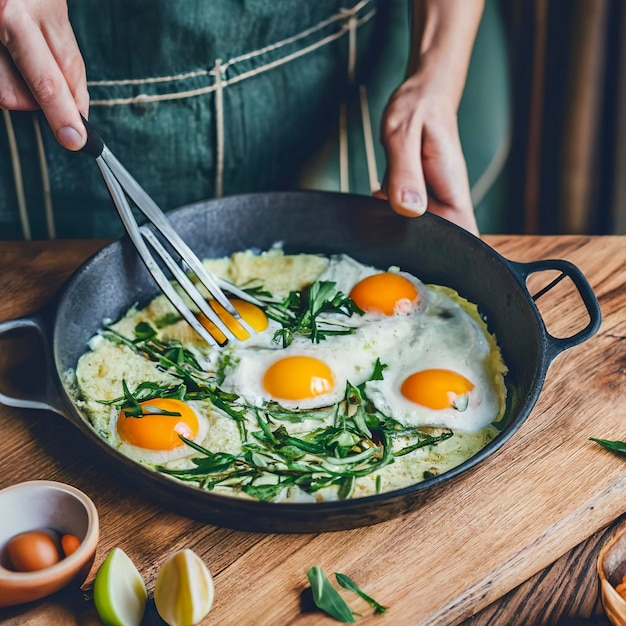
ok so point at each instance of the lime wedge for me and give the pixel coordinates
(119, 591)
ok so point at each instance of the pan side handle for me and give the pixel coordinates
(51, 400)
(556, 345)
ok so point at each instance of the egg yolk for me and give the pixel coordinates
(436, 388)
(297, 378)
(248, 311)
(385, 293)
(159, 432)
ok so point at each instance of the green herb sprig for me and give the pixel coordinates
(146, 391)
(181, 363)
(327, 598)
(299, 313)
(274, 460)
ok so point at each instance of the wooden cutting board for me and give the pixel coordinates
(471, 542)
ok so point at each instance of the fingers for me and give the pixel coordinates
(404, 183)
(14, 93)
(444, 164)
(36, 58)
(425, 164)
(65, 49)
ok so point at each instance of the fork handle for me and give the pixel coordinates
(94, 145)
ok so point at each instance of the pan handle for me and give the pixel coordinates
(557, 345)
(51, 400)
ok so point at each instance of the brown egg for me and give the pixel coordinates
(32, 550)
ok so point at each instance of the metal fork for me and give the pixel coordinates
(120, 183)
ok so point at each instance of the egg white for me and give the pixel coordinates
(350, 357)
(437, 333)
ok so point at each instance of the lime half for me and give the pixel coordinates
(119, 591)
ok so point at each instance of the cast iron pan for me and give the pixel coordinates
(431, 248)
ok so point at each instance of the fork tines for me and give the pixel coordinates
(120, 183)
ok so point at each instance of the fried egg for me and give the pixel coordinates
(154, 437)
(377, 293)
(448, 375)
(250, 313)
(308, 375)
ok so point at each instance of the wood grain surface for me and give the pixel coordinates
(471, 543)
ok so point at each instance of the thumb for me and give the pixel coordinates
(404, 184)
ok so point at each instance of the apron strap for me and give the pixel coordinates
(17, 176)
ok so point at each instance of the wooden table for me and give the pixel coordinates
(466, 556)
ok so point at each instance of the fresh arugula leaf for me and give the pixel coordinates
(327, 598)
(281, 414)
(146, 391)
(347, 583)
(259, 292)
(379, 368)
(132, 408)
(346, 487)
(155, 410)
(264, 492)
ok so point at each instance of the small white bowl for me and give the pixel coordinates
(41, 504)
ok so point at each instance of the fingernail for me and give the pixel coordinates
(412, 200)
(70, 138)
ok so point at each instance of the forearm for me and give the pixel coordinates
(442, 38)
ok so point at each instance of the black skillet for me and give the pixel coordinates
(431, 248)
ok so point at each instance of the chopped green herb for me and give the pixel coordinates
(146, 391)
(424, 440)
(281, 414)
(379, 368)
(144, 332)
(299, 312)
(132, 408)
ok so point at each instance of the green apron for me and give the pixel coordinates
(197, 98)
(203, 98)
